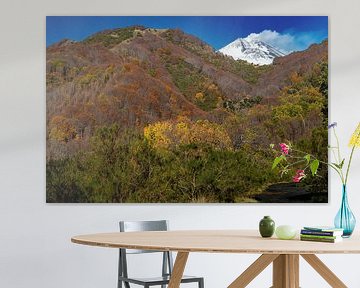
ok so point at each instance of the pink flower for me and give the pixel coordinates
(300, 174)
(284, 148)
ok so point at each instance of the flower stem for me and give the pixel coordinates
(295, 163)
(338, 145)
(339, 156)
(339, 171)
(348, 166)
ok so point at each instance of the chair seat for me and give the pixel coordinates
(158, 280)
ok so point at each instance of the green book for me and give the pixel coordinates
(319, 236)
(325, 240)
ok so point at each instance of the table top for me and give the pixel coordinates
(217, 241)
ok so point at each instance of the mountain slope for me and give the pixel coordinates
(270, 83)
(252, 50)
(136, 76)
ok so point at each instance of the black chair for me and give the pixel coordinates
(167, 265)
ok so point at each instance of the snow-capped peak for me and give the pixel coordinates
(252, 50)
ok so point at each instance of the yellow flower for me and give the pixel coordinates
(355, 138)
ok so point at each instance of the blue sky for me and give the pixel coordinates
(288, 33)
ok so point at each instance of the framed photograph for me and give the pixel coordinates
(180, 109)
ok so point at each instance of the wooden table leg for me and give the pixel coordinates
(178, 269)
(293, 262)
(253, 270)
(286, 271)
(324, 271)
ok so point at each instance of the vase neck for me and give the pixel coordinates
(344, 193)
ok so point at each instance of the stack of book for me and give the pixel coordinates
(321, 234)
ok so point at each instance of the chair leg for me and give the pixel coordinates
(120, 270)
(201, 283)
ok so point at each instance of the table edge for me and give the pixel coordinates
(203, 250)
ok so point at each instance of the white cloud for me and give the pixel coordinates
(286, 42)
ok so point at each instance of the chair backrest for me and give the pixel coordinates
(135, 226)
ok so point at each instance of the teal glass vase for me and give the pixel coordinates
(345, 219)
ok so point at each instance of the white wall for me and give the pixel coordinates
(35, 248)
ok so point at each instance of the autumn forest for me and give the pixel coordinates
(143, 115)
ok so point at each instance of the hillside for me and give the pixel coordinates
(128, 104)
(135, 76)
(270, 83)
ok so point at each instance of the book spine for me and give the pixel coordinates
(319, 233)
(317, 239)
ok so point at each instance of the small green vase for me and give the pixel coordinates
(267, 227)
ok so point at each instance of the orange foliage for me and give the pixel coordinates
(295, 78)
(61, 129)
(200, 96)
(184, 131)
